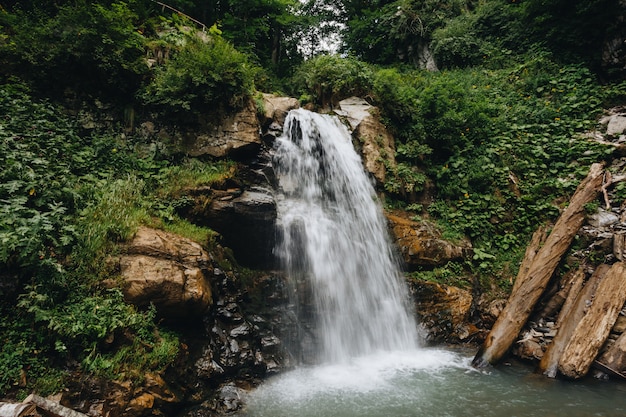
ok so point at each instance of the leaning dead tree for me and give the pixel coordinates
(536, 271)
(593, 329)
(570, 315)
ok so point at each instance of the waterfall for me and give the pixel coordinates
(334, 236)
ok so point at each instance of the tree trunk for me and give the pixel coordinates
(535, 279)
(595, 326)
(536, 242)
(51, 408)
(615, 357)
(570, 315)
(619, 238)
(17, 410)
(558, 299)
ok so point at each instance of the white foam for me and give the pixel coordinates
(334, 236)
(366, 374)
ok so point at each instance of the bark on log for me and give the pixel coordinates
(557, 300)
(570, 315)
(595, 326)
(535, 279)
(615, 357)
(18, 410)
(51, 408)
(619, 238)
(537, 240)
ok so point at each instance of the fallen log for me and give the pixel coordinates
(51, 408)
(615, 357)
(595, 326)
(558, 299)
(536, 242)
(18, 410)
(534, 280)
(570, 315)
(619, 238)
(605, 369)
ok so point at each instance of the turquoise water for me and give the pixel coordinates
(429, 382)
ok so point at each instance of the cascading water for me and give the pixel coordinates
(335, 237)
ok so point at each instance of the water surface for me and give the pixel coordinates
(430, 382)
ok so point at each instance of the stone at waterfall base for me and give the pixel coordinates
(443, 311)
(421, 243)
(167, 271)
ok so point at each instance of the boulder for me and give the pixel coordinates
(233, 135)
(616, 125)
(166, 270)
(421, 244)
(276, 109)
(443, 310)
(374, 141)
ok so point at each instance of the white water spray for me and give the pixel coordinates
(335, 237)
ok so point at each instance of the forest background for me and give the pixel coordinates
(493, 130)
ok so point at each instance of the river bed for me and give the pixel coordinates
(430, 382)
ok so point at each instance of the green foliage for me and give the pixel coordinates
(81, 325)
(184, 228)
(112, 215)
(39, 152)
(21, 355)
(92, 48)
(387, 32)
(192, 173)
(573, 30)
(201, 75)
(67, 199)
(501, 146)
(260, 27)
(452, 273)
(330, 78)
(456, 44)
(493, 34)
(404, 179)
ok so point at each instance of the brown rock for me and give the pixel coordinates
(158, 388)
(141, 404)
(421, 244)
(529, 349)
(236, 133)
(443, 310)
(276, 108)
(167, 270)
(377, 144)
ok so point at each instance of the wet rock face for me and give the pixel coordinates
(233, 135)
(276, 109)
(375, 143)
(245, 218)
(166, 270)
(421, 244)
(443, 311)
(247, 331)
(239, 341)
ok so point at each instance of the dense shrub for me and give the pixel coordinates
(327, 79)
(88, 48)
(201, 74)
(457, 44)
(67, 200)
